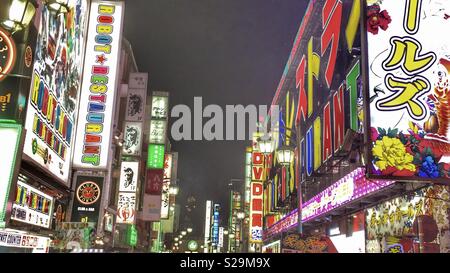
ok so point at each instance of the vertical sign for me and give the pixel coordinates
(55, 89)
(220, 236)
(132, 138)
(155, 155)
(129, 176)
(256, 198)
(165, 196)
(88, 192)
(10, 135)
(408, 75)
(151, 209)
(154, 182)
(126, 205)
(99, 85)
(207, 223)
(215, 228)
(136, 100)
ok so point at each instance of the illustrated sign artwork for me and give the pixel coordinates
(7, 53)
(408, 75)
(129, 176)
(99, 85)
(136, 100)
(126, 208)
(32, 206)
(88, 192)
(132, 138)
(55, 88)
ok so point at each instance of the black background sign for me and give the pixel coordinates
(86, 202)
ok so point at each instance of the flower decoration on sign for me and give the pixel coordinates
(377, 19)
(391, 152)
(406, 154)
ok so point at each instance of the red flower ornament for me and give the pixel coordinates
(377, 19)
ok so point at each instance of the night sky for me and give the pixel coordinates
(228, 52)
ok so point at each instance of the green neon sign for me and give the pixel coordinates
(155, 159)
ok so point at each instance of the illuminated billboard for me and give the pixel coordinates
(126, 208)
(256, 198)
(136, 100)
(99, 85)
(88, 193)
(132, 141)
(155, 157)
(32, 206)
(408, 74)
(55, 88)
(129, 176)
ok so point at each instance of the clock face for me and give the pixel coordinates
(7, 53)
(88, 193)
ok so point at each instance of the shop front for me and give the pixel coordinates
(337, 213)
(413, 223)
(16, 241)
(274, 247)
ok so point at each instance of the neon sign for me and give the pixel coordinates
(7, 53)
(351, 187)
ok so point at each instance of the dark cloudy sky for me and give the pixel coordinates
(227, 52)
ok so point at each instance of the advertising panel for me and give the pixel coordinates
(160, 106)
(136, 100)
(167, 166)
(10, 134)
(55, 88)
(88, 193)
(324, 70)
(215, 225)
(39, 244)
(132, 138)
(151, 209)
(155, 155)
(350, 188)
(165, 200)
(256, 198)
(99, 85)
(126, 208)
(32, 206)
(408, 74)
(208, 221)
(154, 182)
(129, 176)
(157, 133)
(393, 226)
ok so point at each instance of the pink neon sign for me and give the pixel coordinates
(347, 189)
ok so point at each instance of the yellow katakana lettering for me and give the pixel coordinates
(406, 94)
(412, 16)
(406, 54)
